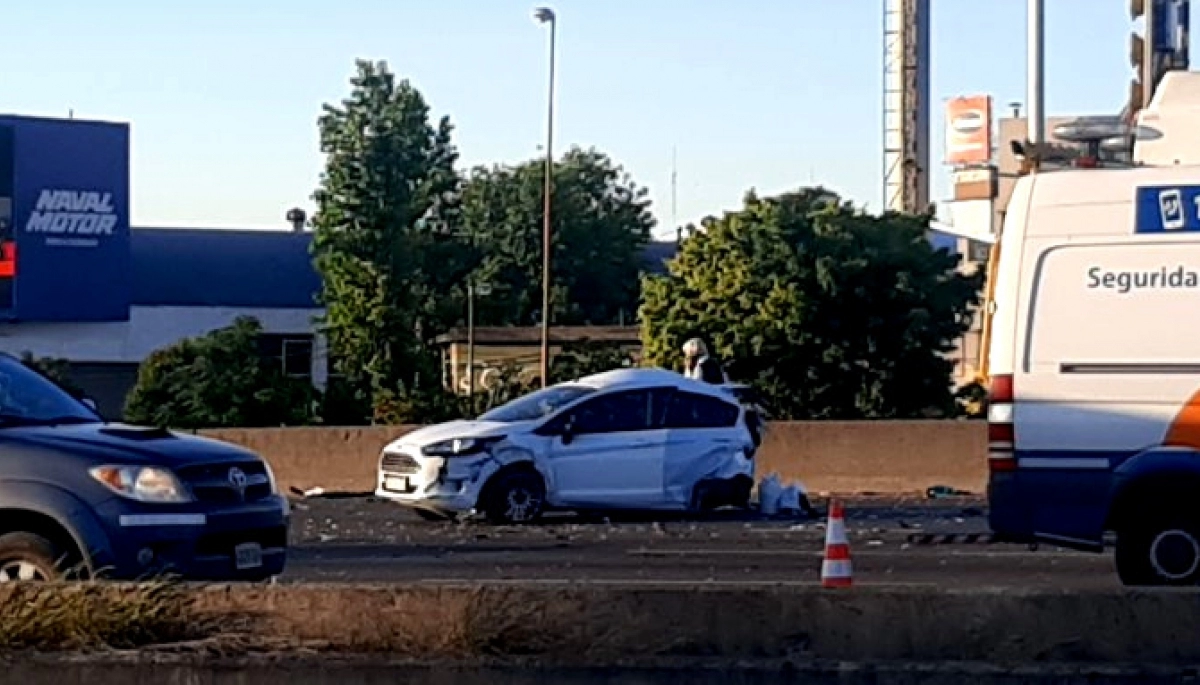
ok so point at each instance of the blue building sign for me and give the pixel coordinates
(64, 240)
(1167, 209)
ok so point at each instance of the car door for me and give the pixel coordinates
(614, 455)
(703, 435)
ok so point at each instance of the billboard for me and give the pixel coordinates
(67, 252)
(8, 245)
(969, 130)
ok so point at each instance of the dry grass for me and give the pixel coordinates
(465, 624)
(500, 622)
(88, 616)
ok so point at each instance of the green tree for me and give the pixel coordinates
(218, 380)
(830, 312)
(385, 240)
(586, 358)
(600, 223)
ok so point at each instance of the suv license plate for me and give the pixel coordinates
(248, 555)
(393, 484)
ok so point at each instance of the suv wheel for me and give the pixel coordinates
(28, 557)
(515, 497)
(1159, 551)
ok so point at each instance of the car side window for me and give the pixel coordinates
(616, 413)
(691, 410)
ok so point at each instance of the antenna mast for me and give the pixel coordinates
(674, 188)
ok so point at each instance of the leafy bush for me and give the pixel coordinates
(218, 380)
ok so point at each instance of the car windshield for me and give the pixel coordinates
(28, 398)
(538, 404)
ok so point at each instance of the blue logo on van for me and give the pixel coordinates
(1167, 209)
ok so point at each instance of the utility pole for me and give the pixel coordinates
(546, 15)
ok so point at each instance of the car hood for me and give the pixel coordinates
(459, 429)
(125, 443)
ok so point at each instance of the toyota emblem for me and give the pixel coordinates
(237, 478)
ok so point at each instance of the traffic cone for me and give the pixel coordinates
(836, 570)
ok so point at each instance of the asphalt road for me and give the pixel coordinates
(365, 540)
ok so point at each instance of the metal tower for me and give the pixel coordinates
(906, 105)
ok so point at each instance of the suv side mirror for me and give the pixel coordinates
(90, 404)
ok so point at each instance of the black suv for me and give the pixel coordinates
(80, 497)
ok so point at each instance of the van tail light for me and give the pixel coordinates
(1002, 437)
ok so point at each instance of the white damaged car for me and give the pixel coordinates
(629, 439)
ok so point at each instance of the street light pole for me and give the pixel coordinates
(471, 344)
(546, 15)
(482, 290)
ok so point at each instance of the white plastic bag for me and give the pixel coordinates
(789, 499)
(769, 489)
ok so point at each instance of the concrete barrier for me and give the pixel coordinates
(596, 625)
(336, 459)
(827, 456)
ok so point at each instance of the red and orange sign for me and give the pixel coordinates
(8, 259)
(969, 130)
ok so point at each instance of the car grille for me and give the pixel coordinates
(213, 483)
(393, 462)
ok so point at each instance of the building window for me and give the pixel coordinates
(293, 353)
(978, 252)
(297, 358)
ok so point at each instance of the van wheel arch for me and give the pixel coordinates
(1152, 491)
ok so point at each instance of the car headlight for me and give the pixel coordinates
(142, 483)
(459, 447)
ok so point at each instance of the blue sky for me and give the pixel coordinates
(223, 96)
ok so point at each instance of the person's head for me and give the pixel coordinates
(693, 350)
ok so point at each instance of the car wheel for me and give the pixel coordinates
(28, 557)
(742, 486)
(1159, 551)
(710, 495)
(515, 497)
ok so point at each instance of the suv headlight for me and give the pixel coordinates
(142, 483)
(459, 447)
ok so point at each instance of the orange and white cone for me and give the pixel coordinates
(836, 570)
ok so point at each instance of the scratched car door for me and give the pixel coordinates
(615, 455)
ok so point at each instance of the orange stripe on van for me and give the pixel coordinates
(1184, 430)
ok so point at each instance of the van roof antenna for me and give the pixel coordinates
(1096, 134)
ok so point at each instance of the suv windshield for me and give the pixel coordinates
(538, 404)
(28, 398)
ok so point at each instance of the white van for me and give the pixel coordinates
(1094, 416)
(1094, 409)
